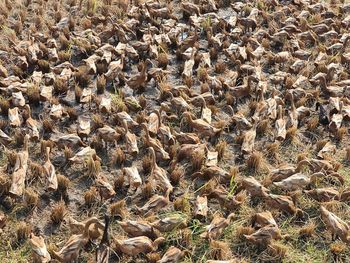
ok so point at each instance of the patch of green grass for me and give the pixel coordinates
(233, 186)
(345, 172)
(260, 5)
(118, 102)
(22, 254)
(199, 246)
(206, 24)
(3, 158)
(8, 33)
(308, 252)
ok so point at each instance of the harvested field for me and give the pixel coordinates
(174, 131)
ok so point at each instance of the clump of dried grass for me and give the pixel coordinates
(23, 231)
(68, 153)
(272, 150)
(320, 144)
(4, 105)
(197, 160)
(276, 251)
(60, 86)
(101, 84)
(91, 196)
(221, 148)
(255, 162)
(163, 60)
(3, 124)
(220, 67)
(118, 209)
(118, 157)
(62, 184)
(72, 113)
(153, 257)
(119, 182)
(312, 124)
(147, 163)
(188, 81)
(48, 125)
(93, 167)
(147, 190)
(31, 198)
(338, 248)
(308, 230)
(302, 156)
(347, 155)
(202, 74)
(11, 158)
(176, 175)
(19, 138)
(243, 230)
(219, 250)
(64, 55)
(58, 213)
(341, 133)
(183, 204)
(292, 135)
(239, 138)
(5, 184)
(36, 169)
(44, 65)
(186, 238)
(97, 121)
(33, 93)
(263, 127)
(82, 76)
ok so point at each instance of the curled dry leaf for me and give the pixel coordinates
(328, 148)
(335, 225)
(138, 228)
(40, 253)
(203, 128)
(84, 154)
(155, 144)
(20, 170)
(170, 223)
(50, 172)
(248, 141)
(136, 245)
(130, 140)
(281, 202)
(173, 254)
(84, 127)
(103, 250)
(94, 230)
(253, 187)
(70, 251)
(106, 190)
(263, 219)
(201, 206)
(133, 177)
(3, 220)
(13, 116)
(265, 235)
(294, 182)
(324, 194)
(154, 204)
(4, 138)
(18, 99)
(217, 226)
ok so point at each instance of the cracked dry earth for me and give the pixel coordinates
(179, 131)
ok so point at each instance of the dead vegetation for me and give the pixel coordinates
(58, 213)
(201, 131)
